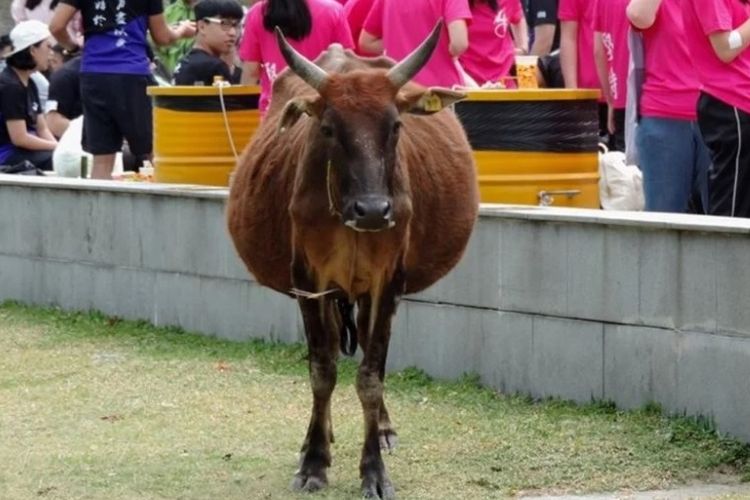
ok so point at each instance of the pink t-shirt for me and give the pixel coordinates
(356, 12)
(491, 49)
(670, 88)
(582, 11)
(729, 83)
(404, 24)
(258, 45)
(610, 20)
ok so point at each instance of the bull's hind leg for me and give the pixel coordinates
(375, 481)
(322, 342)
(386, 433)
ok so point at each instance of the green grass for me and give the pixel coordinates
(94, 407)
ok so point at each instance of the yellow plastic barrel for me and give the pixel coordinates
(192, 130)
(535, 146)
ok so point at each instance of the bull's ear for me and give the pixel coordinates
(427, 102)
(294, 109)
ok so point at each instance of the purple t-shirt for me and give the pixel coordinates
(115, 34)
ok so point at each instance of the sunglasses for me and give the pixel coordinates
(225, 24)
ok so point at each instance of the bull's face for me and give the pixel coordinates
(358, 122)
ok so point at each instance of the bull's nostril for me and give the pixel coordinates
(387, 210)
(359, 209)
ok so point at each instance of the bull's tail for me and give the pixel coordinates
(348, 332)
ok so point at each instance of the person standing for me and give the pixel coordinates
(672, 156)
(396, 27)
(310, 26)
(542, 15)
(169, 55)
(497, 33)
(611, 56)
(24, 135)
(718, 34)
(115, 71)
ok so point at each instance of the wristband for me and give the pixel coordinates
(735, 40)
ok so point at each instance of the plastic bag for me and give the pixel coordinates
(66, 159)
(620, 185)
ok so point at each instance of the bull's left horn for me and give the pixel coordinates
(302, 66)
(410, 66)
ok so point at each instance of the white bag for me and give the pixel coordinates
(66, 159)
(620, 185)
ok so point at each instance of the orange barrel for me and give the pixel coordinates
(191, 140)
(534, 146)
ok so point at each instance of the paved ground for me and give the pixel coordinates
(705, 491)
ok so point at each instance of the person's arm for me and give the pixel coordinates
(544, 36)
(720, 41)
(569, 53)
(42, 130)
(600, 60)
(20, 137)
(250, 73)
(57, 123)
(642, 13)
(163, 34)
(458, 37)
(370, 44)
(58, 26)
(521, 36)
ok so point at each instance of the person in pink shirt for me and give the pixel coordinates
(395, 27)
(497, 32)
(611, 56)
(310, 26)
(577, 51)
(577, 44)
(718, 34)
(671, 151)
(356, 12)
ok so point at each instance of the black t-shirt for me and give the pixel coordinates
(17, 102)
(199, 67)
(545, 12)
(65, 90)
(102, 16)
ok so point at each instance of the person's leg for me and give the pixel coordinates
(726, 131)
(135, 119)
(700, 172)
(666, 163)
(103, 136)
(40, 159)
(618, 138)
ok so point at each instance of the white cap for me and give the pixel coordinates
(27, 33)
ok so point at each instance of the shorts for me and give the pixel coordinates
(116, 107)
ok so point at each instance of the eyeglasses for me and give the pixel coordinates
(226, 24)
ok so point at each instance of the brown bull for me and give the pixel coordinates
(355, 190)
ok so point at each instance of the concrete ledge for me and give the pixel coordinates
(578, 304)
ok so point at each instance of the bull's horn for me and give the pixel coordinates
(302, 66)
(410, 66)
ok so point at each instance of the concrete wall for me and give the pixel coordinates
(579, 304)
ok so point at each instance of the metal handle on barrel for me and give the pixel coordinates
(546, 198)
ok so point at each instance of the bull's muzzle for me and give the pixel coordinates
(369, 213)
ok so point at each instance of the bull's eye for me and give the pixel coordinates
(396, 127)
(326, 130)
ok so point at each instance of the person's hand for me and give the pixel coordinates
(186, 29)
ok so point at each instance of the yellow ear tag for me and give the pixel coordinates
(431, 103)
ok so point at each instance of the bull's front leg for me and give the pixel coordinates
(322, 345)
(375, 481)
(387, 432)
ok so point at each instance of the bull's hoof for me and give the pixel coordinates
(377, 485)
(309, 482)
(388, 440)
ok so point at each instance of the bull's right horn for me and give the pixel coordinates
(302, 66)
(410, 66)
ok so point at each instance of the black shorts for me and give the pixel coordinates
(116, 107)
